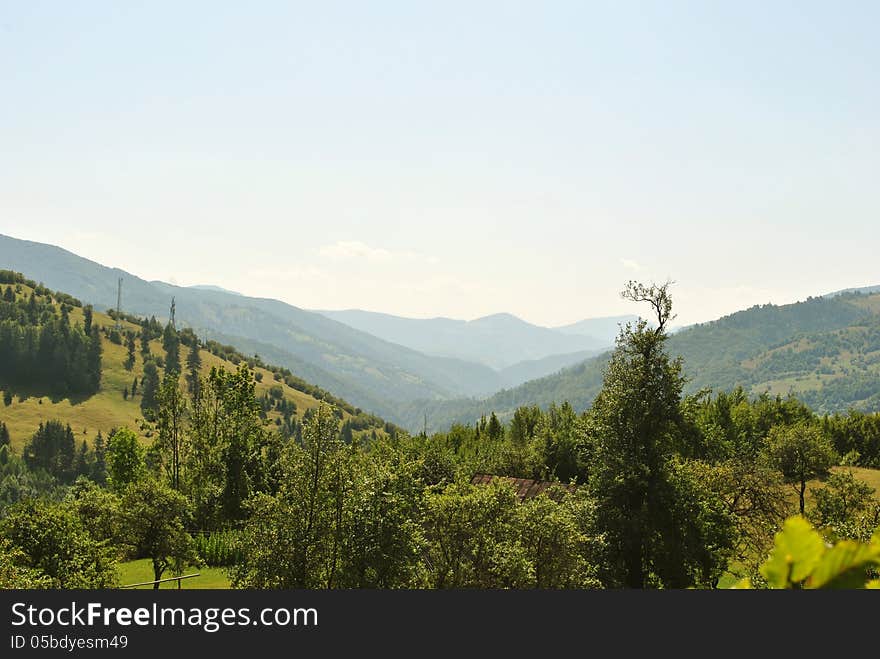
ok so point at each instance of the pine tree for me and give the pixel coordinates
(99, 466)
(149, 387)
(87, 315)
(81, 466)
(129, 343)
(171, 345)
(4, 435)
(93, 359)
(494, 428)
(193, 366)
(134, 387)
(145, 341)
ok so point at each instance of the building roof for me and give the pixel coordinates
(526, 488)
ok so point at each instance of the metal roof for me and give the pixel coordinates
(526, 488)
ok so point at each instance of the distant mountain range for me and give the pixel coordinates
(604, 328)
(499, 341)
(825, 350)
(371, 371)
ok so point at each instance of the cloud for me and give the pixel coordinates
(353, 250)
(346, 250)
(296, 274)
(629, 264)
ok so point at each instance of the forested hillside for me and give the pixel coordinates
(500, 341)
(649, 488)
(62, 361)
(826, 350)
(356, 362)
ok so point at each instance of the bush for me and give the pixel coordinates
(219, 548)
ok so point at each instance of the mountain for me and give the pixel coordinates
(113, 406)
(532, 369)
(210, 287)
(865, 290)
(500, 341)
(370, 372)
(824, 350)
(603, 330)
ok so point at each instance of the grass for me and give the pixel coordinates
(141, 570)
(108, 409)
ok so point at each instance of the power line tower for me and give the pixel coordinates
(119, 304)
(172, 314)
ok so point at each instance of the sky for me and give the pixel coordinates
(451, 158)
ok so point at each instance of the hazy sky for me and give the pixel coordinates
(451, 158)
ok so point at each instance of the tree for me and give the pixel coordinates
(134, 386)
(97, 509)
(149, 388)
(295, 539)
(170, 442)
(125, 460)
(153, 520)
(226, 435)
(14, 571)
(4, 435)
(129, 344)
(494, 428)
(524, 424)
(755, 499)
(465, 528)
(561, 443)
(145, 342)
(87, 319)
(93, 359)
(194, 367)
(846, 507)
(633, 426)
(171, 345)
(382, 536)
(800, 452)
(55, 544)
(52, 448)
(82, 463)
(556, 542)
(99, 466)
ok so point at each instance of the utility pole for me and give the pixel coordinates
(119, 304)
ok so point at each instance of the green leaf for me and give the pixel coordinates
(742, 584)
(843, 566)
(797, 550)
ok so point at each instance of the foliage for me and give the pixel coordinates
(41, 350)
(800, 452)
(153, 520)
(125, 459)
(218, 548)
(14, 572)
(52, 449)
(846, 508)
(801, 559)
(53, 542)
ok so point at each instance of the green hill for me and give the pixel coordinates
(109, 408)
(825, 350)
(362, 368)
